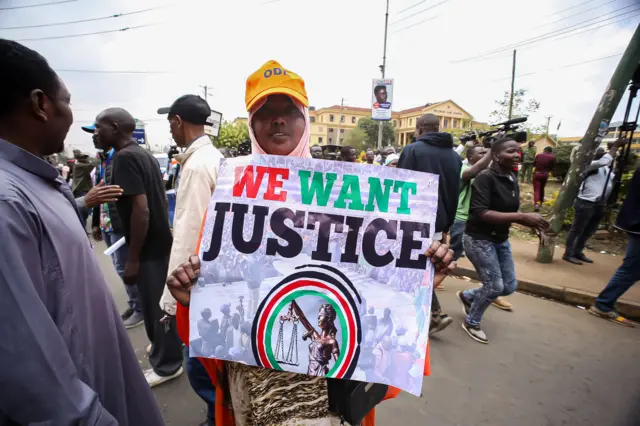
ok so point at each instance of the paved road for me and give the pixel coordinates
(547, 364)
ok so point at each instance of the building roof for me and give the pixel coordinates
(346, 108)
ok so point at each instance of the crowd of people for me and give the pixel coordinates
(77, 365)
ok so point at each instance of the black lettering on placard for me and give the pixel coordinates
(409, 244)
(350, 254)
(369, 241)
(325, 221)
(237, 237)
(216, 234)
(293, 238)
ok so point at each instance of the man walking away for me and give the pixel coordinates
(106, 226)
(144, 213)
(629, 273)
(66, 358)
(590, 205)
(82, 182)
(528, 158)
(432, 152)
(195, 183)
(543, 164)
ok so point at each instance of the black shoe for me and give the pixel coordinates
(466, 305)
(571, 259)
(126, 314)
(584, 258)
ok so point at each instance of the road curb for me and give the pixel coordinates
(563, 294)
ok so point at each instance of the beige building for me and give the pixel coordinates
(329, 126)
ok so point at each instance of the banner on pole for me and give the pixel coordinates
(317, 267)
(381, 99)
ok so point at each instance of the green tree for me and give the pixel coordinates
(370, 128)
(523, 105)
(231, 135)
(357, 138)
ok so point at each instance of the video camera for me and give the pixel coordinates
(467, 137)
(507, 129)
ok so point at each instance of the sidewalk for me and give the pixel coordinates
(562, 281)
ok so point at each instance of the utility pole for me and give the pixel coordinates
(548, 122)
(206, 92)
(513, 83)
(383, 69)
(593, 137)
(340, 120)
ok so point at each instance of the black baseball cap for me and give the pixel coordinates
(191, 108)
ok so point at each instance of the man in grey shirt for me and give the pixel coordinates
(590, 204)
(65, 357)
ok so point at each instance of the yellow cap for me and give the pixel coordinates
(273, 79)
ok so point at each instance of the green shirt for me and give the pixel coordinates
(464, 198)
(529, 154)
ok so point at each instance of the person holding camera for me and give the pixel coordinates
(495, 201)
(590, 203)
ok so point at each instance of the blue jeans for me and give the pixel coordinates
(494, 264)
(201, 384)
(626, 276)
(455, 243)
(119, 259)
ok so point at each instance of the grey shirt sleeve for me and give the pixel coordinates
(80, 202)
(40, 384)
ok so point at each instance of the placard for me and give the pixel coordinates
(317, 267)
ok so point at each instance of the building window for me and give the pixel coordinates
(445, 123)
(402, 138)
(320, 139)
(330, 140)
(342, 118)
(322, 118)
(341, 130)
(341, 140)
(331, 118)
(454, 123)
(353, 120)
(312, 119)
(330, 129)
(410, 121)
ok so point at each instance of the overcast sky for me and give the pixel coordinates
(335, 45)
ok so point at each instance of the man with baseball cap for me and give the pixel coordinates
(195, 181)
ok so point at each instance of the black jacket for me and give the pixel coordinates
(629, 216)
(433, 153)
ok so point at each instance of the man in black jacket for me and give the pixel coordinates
(629, 272)
(432, 152)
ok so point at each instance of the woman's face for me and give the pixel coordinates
(509, 155)
(278, 125)
(323, 321)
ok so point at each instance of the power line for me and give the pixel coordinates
(88, 34)
(561, 67)
(569, 8)
(413, 25)
(555, 33)
(576, 14)
(412, 6)
(117, 15)
(417, 13)
(36, 5)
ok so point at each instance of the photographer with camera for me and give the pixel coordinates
(590, 204)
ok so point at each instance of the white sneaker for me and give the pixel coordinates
(154, 380)
(148, 349)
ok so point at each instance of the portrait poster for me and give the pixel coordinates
(381, 99)
(317, 267)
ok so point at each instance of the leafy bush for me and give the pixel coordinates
(563, 161)
(568, 219)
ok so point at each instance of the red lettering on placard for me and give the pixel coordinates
(274, 184)
(249, 180)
